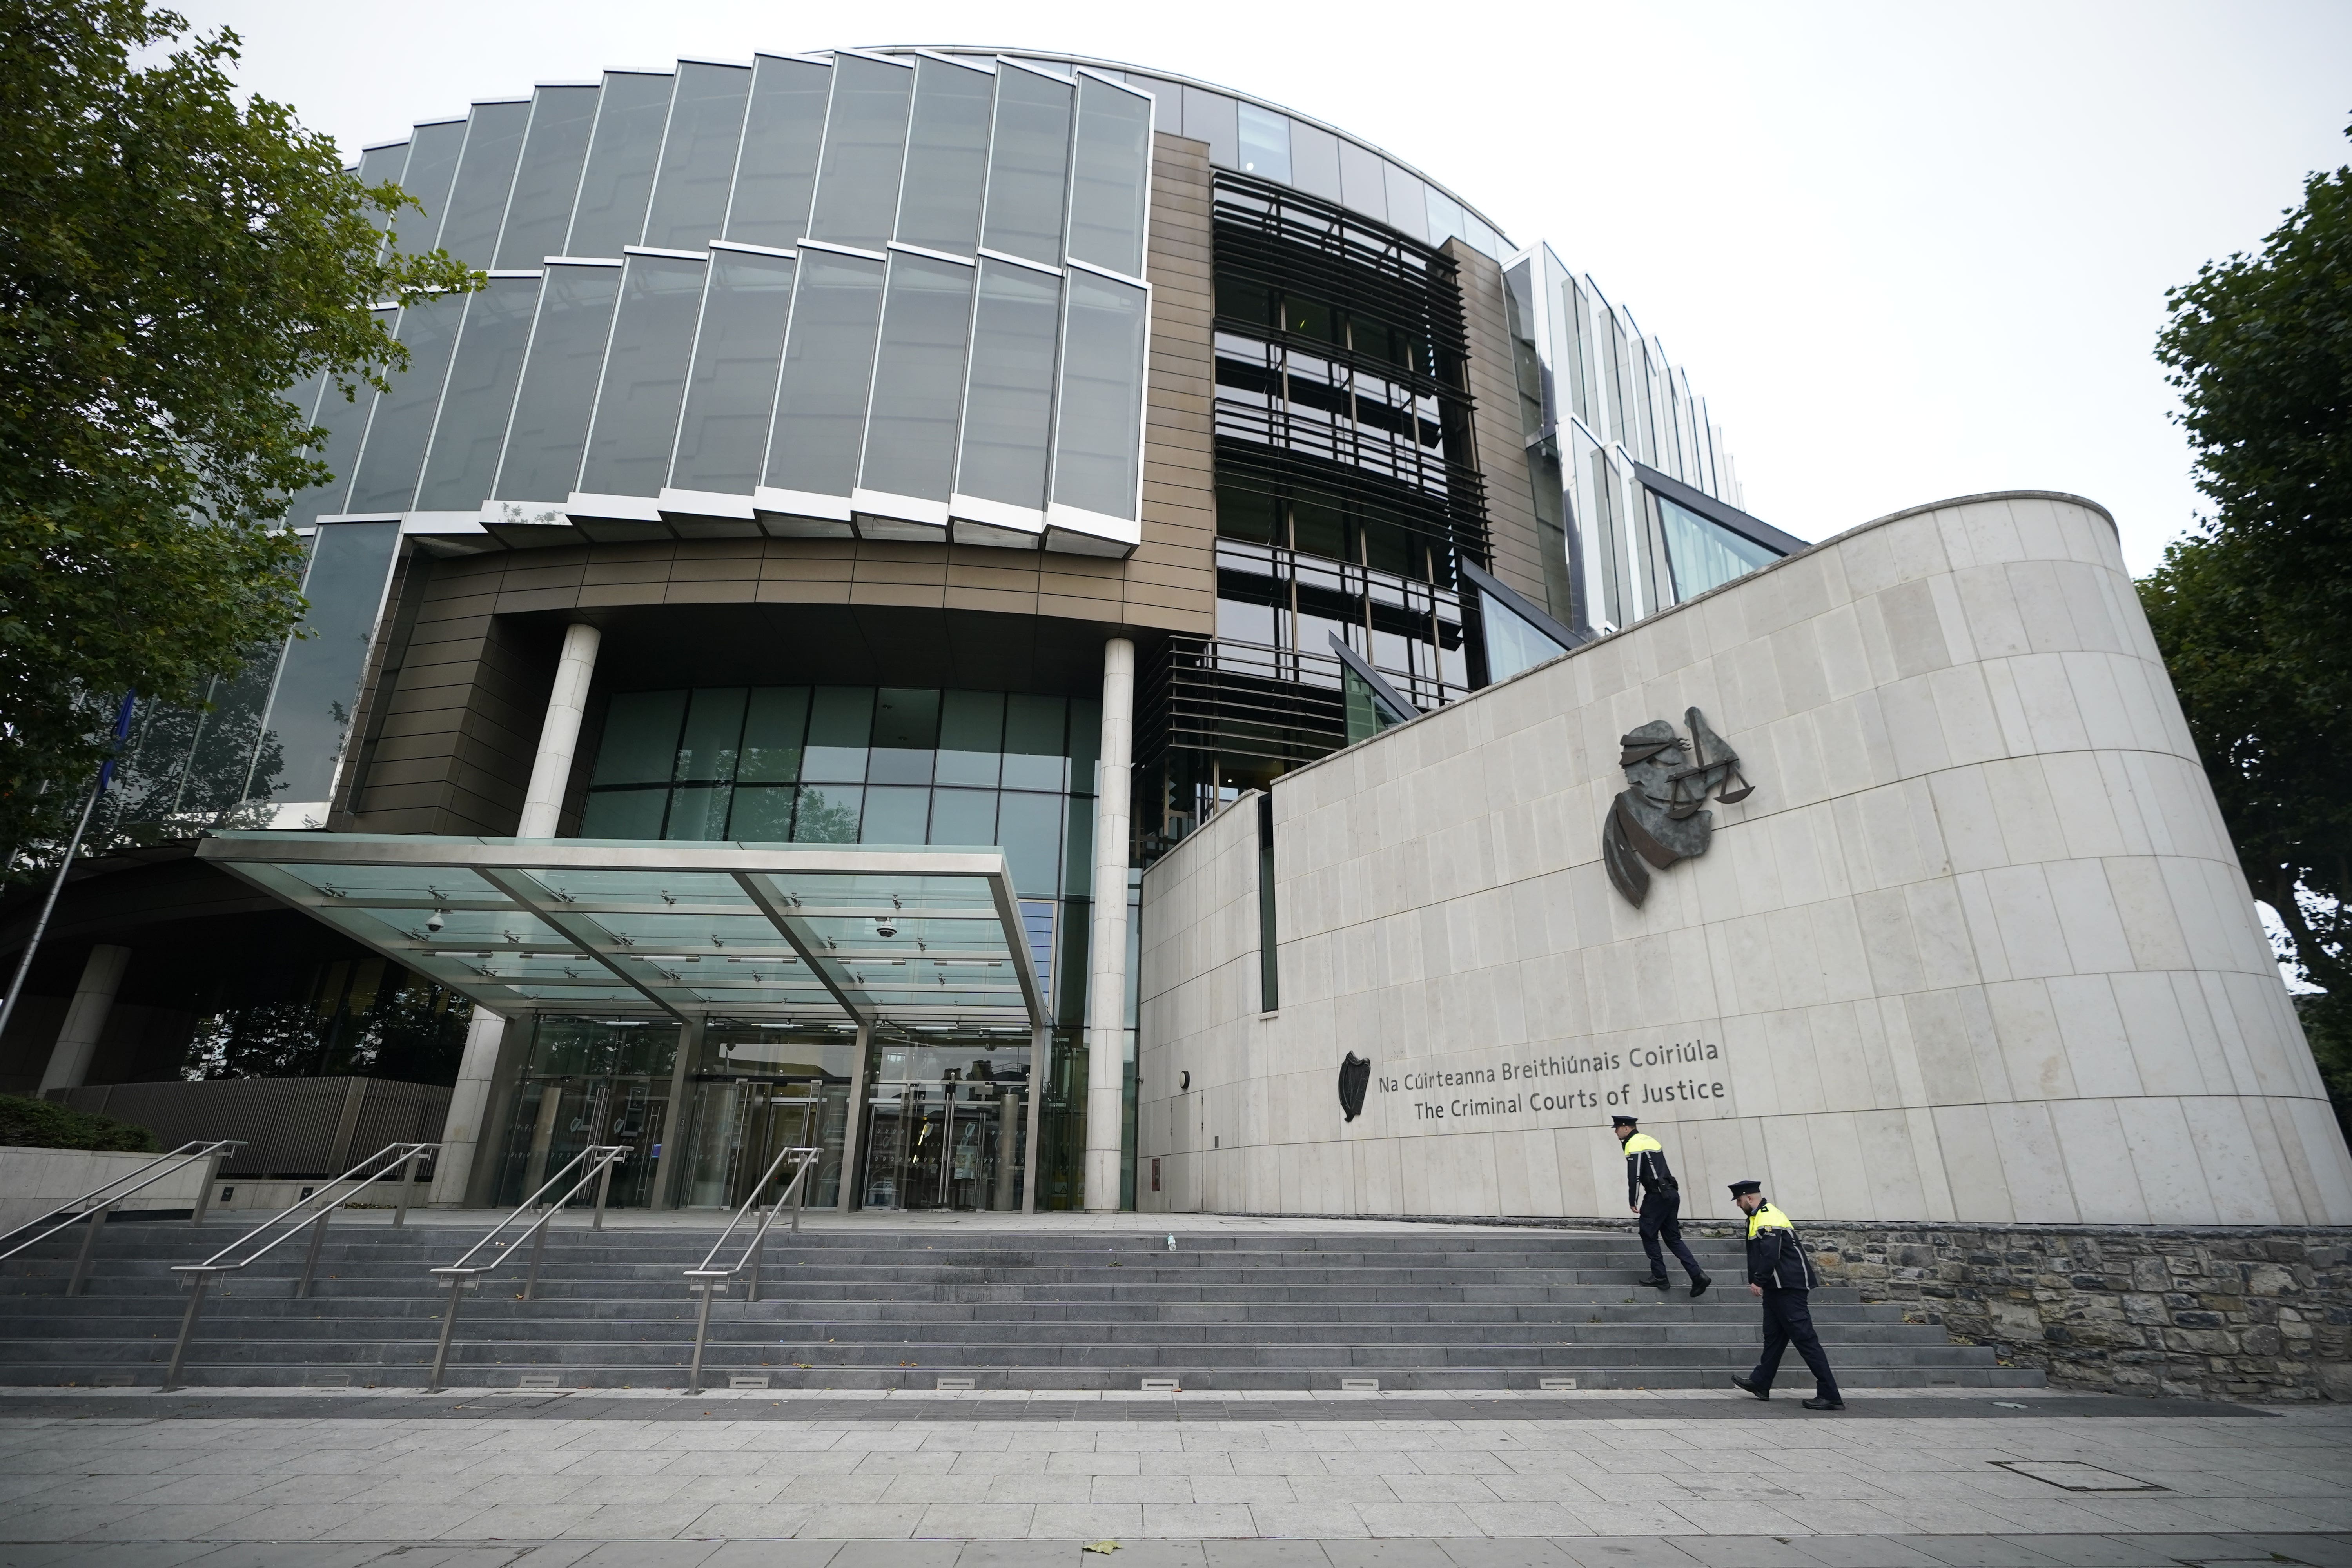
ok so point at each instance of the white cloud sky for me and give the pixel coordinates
(1905, 252)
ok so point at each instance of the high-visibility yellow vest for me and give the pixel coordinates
(1643, 1143)
(1767, 1217)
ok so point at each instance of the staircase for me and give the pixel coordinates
(1041, 1309)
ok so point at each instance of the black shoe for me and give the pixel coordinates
(1660, 1281)
(1824, 1404)
(1744, 1387)
(1699, 1284)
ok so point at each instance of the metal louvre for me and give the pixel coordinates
(1455, 520)
(1276, 705)
(1269, 233)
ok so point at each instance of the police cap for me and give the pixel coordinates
(1623, 1121)
(1741, 1189)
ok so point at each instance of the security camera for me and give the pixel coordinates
(439, 919)
(885, 928)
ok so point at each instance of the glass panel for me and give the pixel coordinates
(379, 165)
(644, 377)
(905, 731)
(1363, 180)
(620, 158)
(1211, 117)
(964, 816)
(864, 151)
(895, 814)
(714, 729)
(698, 157)
(640, 740)
(762, 814)
(782, 135)
(345, 420)
(386, 480)
(1009, 411)
(1098, 453)
(1265, 144)
(1408, 205)
(320, 684)
(1034, 757)
(559, 385)
(463, 465)
(1512, 644)
(1109, 185)
(1701, 553)
(947, 157)
(547, 184)
(1028, 165)
(1445, 217)
(971, 738)
(1029, 827)
(697, 811)
(919, 378)
(433, 154)
(841, 727)
(478, 202)
(730, 396)
(1315, 161)
(773, 725)
(624, 814)
(1078, 850)
(827, 815)
(1086, 743)
(829, 368)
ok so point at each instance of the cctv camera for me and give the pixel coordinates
(440, 918)
(884, 928)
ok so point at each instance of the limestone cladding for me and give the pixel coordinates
(1977, 948)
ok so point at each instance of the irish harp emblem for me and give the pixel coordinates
(1659, 819)
(1355, 1076)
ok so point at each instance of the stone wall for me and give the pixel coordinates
(2215, 1313)
(2252, 1314)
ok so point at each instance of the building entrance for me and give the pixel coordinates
(589, 1082)
(945, 1124)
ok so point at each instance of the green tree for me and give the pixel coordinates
(171, 264)
(2252, 611)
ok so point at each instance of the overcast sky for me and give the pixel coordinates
(1905, 252)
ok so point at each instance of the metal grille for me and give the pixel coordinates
(291, 1126)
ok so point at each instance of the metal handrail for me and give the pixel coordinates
(103, 1201)
(326, 1199)
(597, 1162)
(706, 1281)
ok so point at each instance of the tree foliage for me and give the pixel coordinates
(2254, 612)
(27, 1123)
(171, 264)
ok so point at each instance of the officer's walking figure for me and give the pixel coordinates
(1780, 1272)
(1652, 1192)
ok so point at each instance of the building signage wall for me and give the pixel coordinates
(1973, 945)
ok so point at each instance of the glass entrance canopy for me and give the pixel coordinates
(921, 937)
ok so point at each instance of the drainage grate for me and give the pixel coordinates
(958, 1384)
(539, 1380)
(1161, 1386)
(1557, 1385)
(2075, 1476)
(747, 1380)
(1360, 1385)
(326, 1380)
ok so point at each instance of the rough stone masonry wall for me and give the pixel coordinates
(2264, 1315)
(2249, 1314)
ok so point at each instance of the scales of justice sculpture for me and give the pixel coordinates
(1659, 818)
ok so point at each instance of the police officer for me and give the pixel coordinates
(1652, 1192)
(1780, 1272)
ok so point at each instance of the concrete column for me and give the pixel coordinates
(852, 1194)
(1107, 941)
(466, 1130)
(559, 736)
(93, 999)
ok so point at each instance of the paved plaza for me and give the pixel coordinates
(337, 1480)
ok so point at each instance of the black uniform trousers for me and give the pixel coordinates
(1661, 1209)
(1789, 1320)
